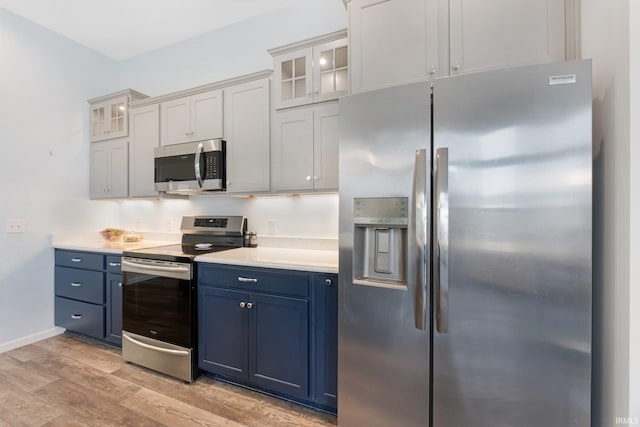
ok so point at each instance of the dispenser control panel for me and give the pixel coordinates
(381, 210)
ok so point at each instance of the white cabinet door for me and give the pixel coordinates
(389, 42)
(325, 147)
(206, 115)
(330, 70)
(109, 169)
(246, 130)
(493, 34)
(99, 163)
(145, 136)
(293, 79)
(118, 168)
(175, 121)
(292, 150)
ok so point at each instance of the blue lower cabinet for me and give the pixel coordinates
(88, 294)
(325, 300)
(114, 308)
(222, 332)
(81, 317)
(279, 344)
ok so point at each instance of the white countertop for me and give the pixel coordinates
(322, 261)
(108, 247)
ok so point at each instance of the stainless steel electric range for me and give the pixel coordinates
(159, 318)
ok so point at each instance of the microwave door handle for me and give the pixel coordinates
(197, 164)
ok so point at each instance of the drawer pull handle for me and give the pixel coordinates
(247, 279)
(76, 316)
(114, 264)
(76, 259)
(76, 284)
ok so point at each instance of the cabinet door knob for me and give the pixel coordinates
(456, 66)
(119, 284)
(308, 178)
(315, 178)
(186, 134)
(242, 304)
(432, 70)
(328, 282)
(249, 305)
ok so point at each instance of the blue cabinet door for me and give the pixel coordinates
(114, 308)
(222, 332)
(325, 306)
(279, 344)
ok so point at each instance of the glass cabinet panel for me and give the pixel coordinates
(331, 70)
(97, 121)
(118, 111)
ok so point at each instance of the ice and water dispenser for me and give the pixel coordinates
(380, 241)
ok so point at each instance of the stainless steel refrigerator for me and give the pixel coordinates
(465, 251)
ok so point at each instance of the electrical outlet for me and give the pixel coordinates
(15, 226)
(271, 227)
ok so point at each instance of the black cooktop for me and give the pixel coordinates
(184, 252)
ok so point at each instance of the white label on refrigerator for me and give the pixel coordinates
(562, 80)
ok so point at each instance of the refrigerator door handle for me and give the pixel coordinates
(420, 217)
(441, 234)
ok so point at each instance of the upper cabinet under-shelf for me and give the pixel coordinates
(313, 70)
(109, 114)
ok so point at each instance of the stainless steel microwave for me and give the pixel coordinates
(191, 167)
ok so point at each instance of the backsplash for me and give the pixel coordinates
(304, 216)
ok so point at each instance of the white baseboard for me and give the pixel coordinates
(30, 339)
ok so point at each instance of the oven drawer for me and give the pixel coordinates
(284, 282)
(82, 317)
(114, 264)
(76, 259)
(82, 285)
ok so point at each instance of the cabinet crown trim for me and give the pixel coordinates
(127, 92)
(204, 88)
(313, 41)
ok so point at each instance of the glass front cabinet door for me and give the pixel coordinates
(311, 71)
(109, 119)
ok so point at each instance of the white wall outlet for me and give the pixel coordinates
(271, 227)
(15, 226)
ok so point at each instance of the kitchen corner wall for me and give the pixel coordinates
(45, 81)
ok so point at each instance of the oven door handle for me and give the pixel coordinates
(156, 267)
(153, 347)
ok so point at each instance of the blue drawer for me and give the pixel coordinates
(283, 282)
(76, 259)
(82, 317)
(114, 264)
(78, 284)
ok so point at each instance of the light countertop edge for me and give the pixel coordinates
(315, 261)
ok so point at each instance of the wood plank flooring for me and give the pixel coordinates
(65, 381)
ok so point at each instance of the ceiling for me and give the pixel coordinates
(121, 29)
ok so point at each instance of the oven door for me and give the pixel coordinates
(158, 300)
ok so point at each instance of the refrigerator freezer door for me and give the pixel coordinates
(517, 349)
(383, 364)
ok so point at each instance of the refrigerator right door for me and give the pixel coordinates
(512, 247)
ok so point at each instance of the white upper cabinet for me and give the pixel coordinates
(246, 130)
(390, 42)
(144, 137)
(492, 34)
(313, 70)
(191, 118)
(109, 115)
(109, 169)
(304, 148)
(400, 41)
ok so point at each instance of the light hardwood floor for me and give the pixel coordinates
(65, 381)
